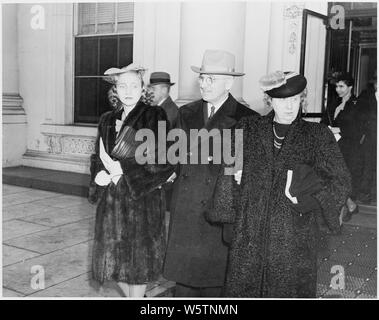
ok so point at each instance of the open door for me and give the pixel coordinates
(314, 61)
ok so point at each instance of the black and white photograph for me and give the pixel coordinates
(204, 150)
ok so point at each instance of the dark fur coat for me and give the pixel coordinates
(130, 232)
(274, 249)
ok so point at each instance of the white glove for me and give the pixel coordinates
(102, 178)
(171, 178)
(336, 131)
(115, 179)
(115, 171)
(115, 168)
(238, 176)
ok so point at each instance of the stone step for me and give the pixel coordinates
(70, 183)
(367, 209)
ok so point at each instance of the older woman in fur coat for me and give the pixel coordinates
(130, 235)
(293, 173)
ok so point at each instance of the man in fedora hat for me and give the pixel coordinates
(196, 254)
(159, 86)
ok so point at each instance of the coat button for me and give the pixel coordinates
(185, 175)
(208, 181)
(204, 202)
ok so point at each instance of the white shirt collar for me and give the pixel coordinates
(161, 102)
(217, 105)
(126, 112)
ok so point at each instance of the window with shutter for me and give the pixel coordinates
(103, 39)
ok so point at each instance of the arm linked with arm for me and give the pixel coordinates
(227, 187)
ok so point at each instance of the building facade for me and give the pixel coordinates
(39, 125)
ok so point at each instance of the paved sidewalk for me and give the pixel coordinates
(55, 231)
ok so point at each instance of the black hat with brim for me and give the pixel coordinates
(160, 78)
(283, 84)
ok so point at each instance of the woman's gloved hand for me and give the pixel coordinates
(238, 176)
(115, 173)
(302, 183)
(102, 178)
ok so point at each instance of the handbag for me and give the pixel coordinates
(125, 144)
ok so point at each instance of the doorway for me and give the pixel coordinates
(353, 49)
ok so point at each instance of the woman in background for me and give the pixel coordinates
(293, 173)
(130, 237)
(346, 122)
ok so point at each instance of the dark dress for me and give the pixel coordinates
(129, 243)
(350, 121)
(273, 253)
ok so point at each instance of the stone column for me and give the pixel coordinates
(157, 39)
(56, 68)
(14, 117)
(208, 25)
(256, 55)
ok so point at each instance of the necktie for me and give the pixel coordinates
(212, 112)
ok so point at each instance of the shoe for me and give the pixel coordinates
(349, 214)
(355, 211)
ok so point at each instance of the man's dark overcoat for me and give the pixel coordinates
(171, 110)
(196, 254)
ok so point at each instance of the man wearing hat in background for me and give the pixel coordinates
(159, 86)
(196, 255)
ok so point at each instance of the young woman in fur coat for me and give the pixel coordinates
(293, 173)
(130, 235)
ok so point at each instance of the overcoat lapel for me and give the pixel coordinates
(134, 115)
(224, 117)
(194, 119)
(109, 134)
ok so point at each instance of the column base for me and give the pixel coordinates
(69, 148)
